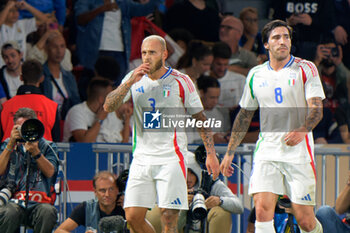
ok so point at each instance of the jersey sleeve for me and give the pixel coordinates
(248, 100)
(191, 99)
(313, 86)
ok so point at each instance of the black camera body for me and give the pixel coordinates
(335, 52)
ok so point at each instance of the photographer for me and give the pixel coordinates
(335, 79)
(89, 213)
(37, 179)
(220, 202)
(338, 219)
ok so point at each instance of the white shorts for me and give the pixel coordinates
(162, 184)
(297, 181)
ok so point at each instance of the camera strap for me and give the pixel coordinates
(27, 180)
(58, 87)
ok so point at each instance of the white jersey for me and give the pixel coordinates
(282, 98)
(153, 100)
(231, 89)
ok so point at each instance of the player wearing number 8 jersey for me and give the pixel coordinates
(158, 172)
(289, 93)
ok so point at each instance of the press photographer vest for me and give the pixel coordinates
(44, 108)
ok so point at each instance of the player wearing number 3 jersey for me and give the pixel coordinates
(158, 170)
(288, 92)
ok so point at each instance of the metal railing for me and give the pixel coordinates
(119, 157)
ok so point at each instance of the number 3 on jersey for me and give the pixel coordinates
(278, 95)
(152, 103)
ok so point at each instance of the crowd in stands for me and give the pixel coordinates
(62, 58)
(77, 42)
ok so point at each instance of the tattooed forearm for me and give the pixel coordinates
(205, 133)
(315, 113)
(239, 129)
(115, 98)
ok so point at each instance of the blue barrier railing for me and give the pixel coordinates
(80, 161)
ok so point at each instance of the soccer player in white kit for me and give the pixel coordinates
(289, 93)
(158, 170)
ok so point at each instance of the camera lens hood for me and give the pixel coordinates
(32, 130)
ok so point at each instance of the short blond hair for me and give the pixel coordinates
(156, 37)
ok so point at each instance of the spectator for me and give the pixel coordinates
(220, 201)
(182, 37)
(327, 131)
(202, 21)
(12, 28)
(55, 7)
(231, 31)
(334, 75)
(231, 83)
(105, 67)
(342, 30)
(88, 122)
(209, 91)
(337, 219)
(39, 214)
(59, 84)
(36, 43)
(11, 72)
(231, 88)
(251, 39)
(196, 60)
(29, 95)
(311, 21)
(89, 213)
(98, 34)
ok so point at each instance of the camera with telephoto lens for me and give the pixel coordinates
(6, 192)
(198, 208)
(31, 130)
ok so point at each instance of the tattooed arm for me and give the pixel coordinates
(212, 162)
(239, 130)
(115, 98)
(314, 116)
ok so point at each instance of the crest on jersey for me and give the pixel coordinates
(166, 90)
(292, 78)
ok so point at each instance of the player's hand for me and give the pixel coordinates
(226, 167)
(140, 71)
(296, 136)
(212, 201)
(212, 164)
